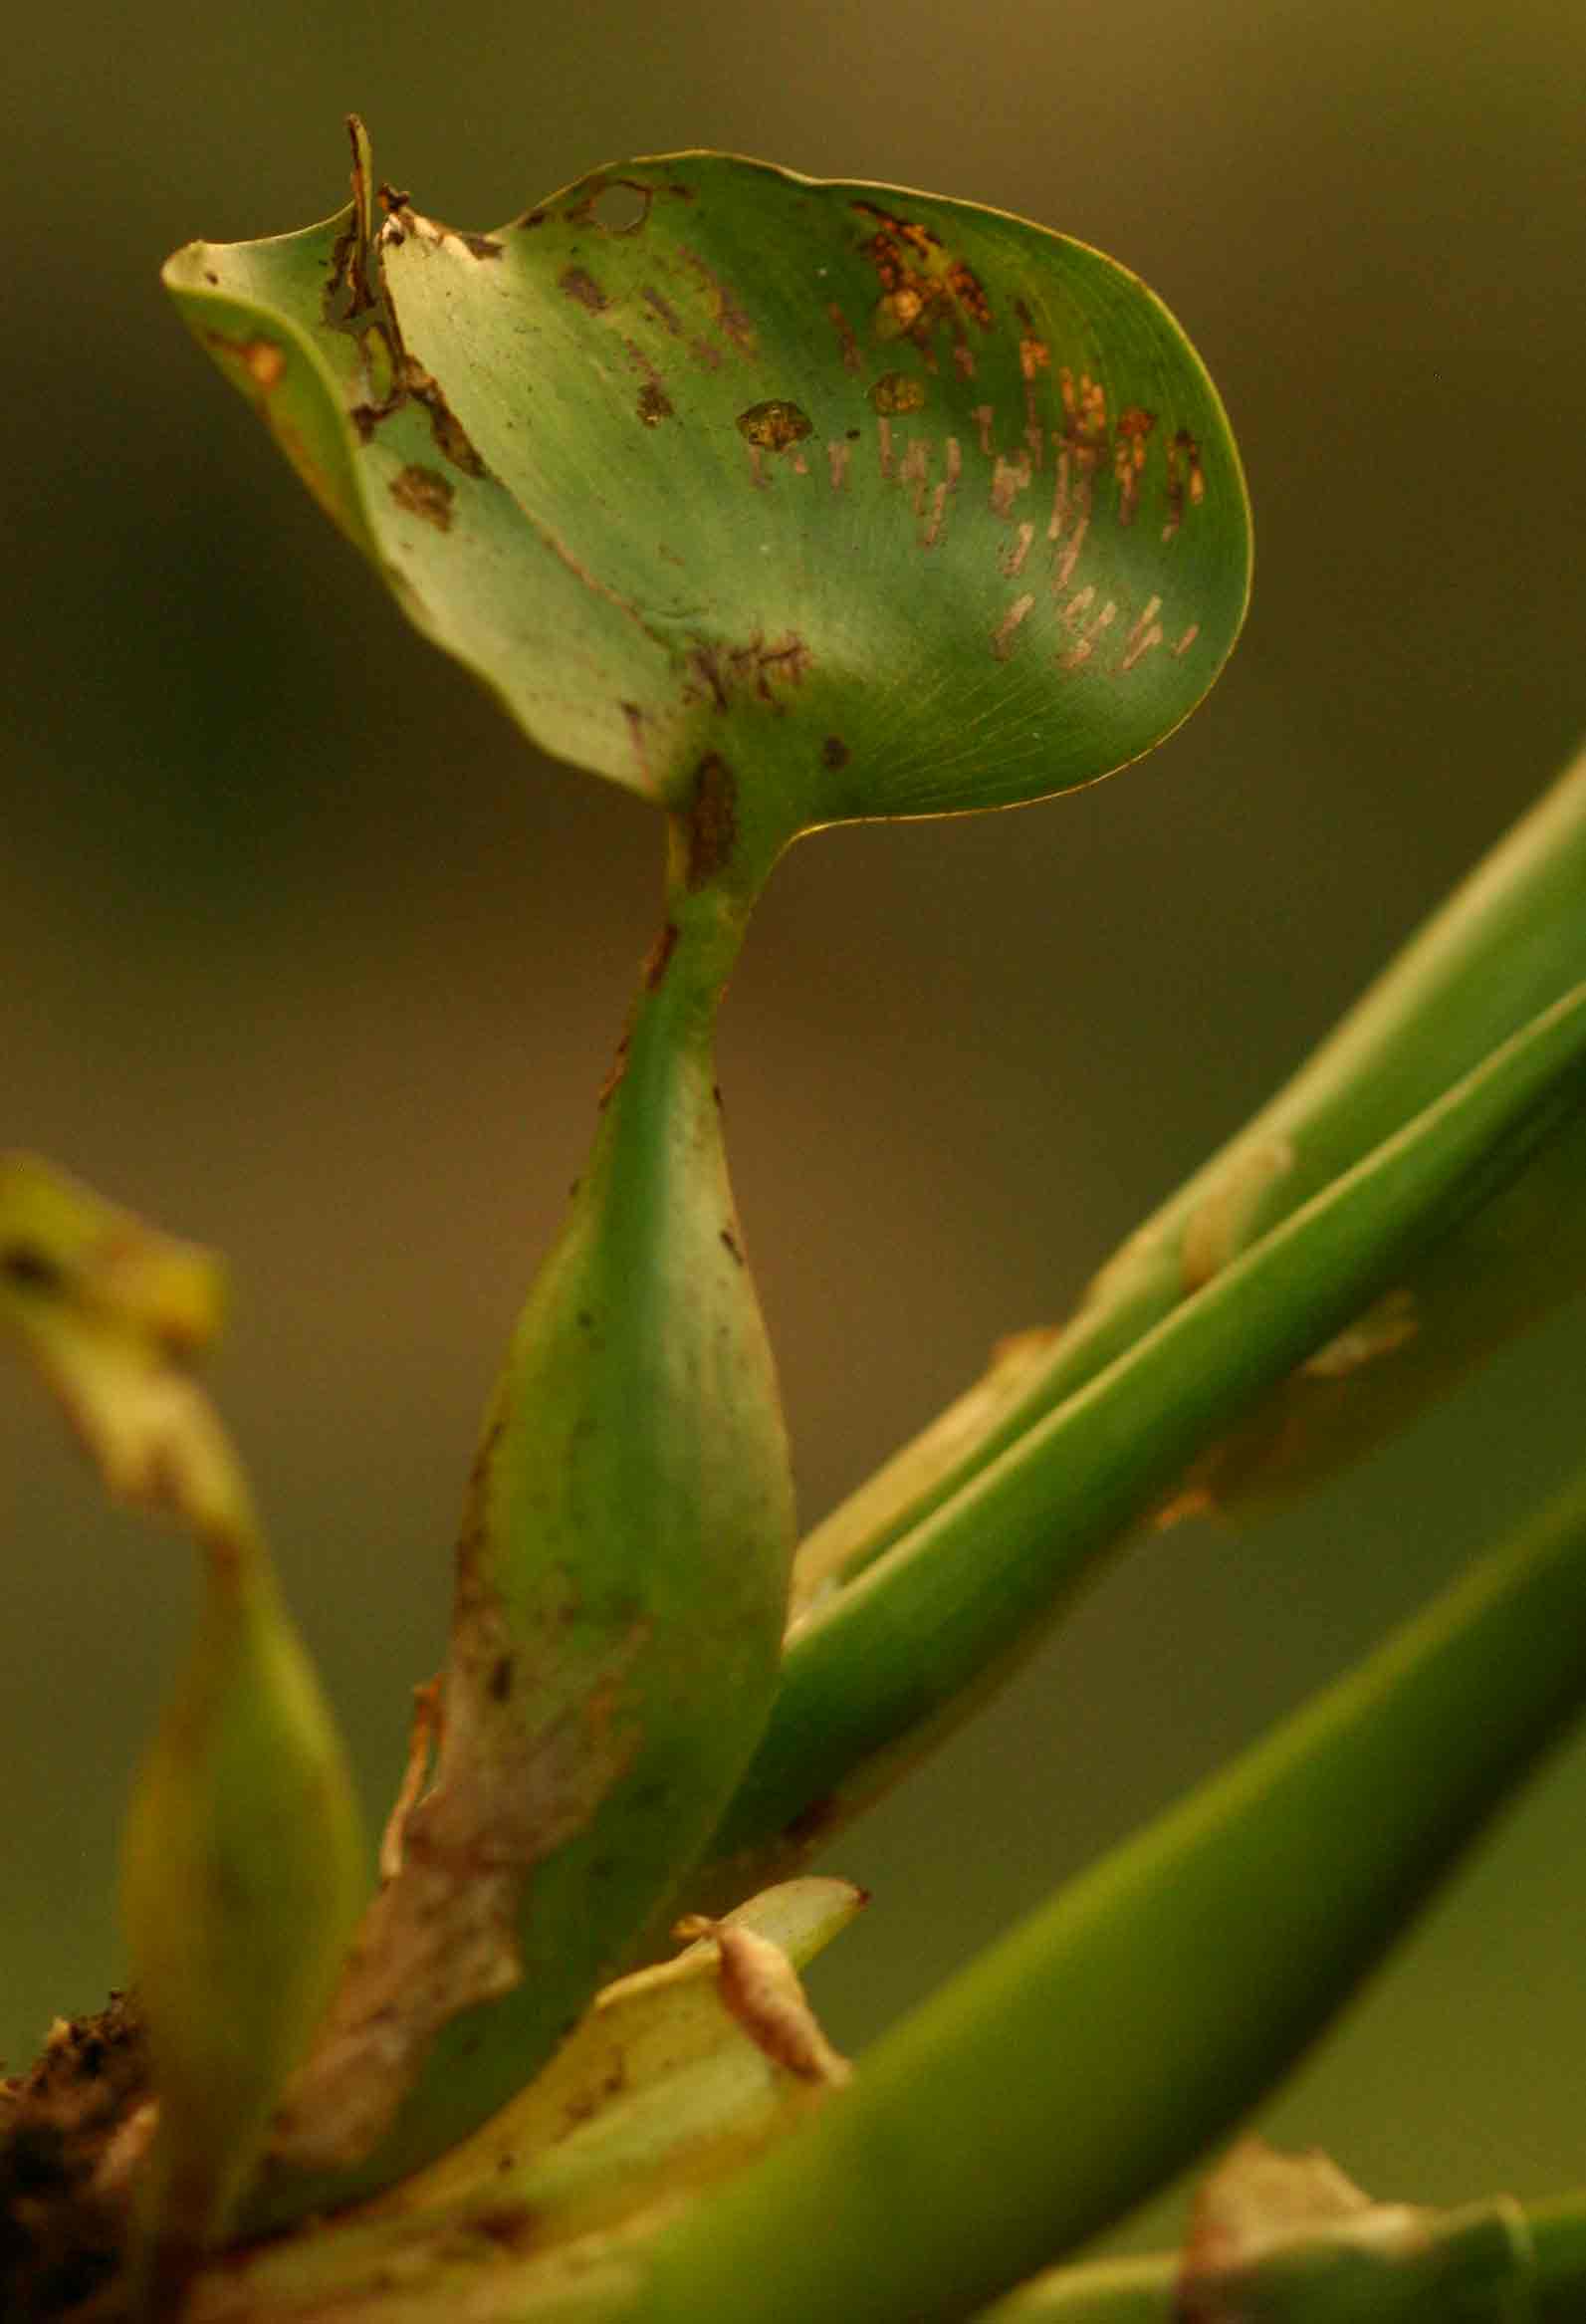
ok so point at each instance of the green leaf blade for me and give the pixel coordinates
(445, 539)
(255, 308)
(910, 506)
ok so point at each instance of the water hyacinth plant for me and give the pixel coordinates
(783, 503)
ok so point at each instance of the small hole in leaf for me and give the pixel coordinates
(622, 207)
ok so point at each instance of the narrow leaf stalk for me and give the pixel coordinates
(621, 1591)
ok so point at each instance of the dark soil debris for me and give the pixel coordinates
(61, 2239)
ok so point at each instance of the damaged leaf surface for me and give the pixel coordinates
(659, 2091)
(909, 504)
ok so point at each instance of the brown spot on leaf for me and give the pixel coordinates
(732, 1246)
(578, 283)
(518, 1777)
(813, 1823)
(424, 493)
(897, 391)
(1003, 638)
(834, 752)
(659, 957)
(1084, 413)
(915, 470)
(847, 345)
(1008, 479)
(921, 284)
(1145, 636)
(663, 311)
(31, 1269)
(1129, 456)
(511, 2227)
(654, 404)
(1185, 477)
(729, 315)
(263, 360)
(722, 671)
(712, 820)
(481, 245)
(609, 1087)
(634, 718)
(414, 383)
(773, 425)
(1011, 559)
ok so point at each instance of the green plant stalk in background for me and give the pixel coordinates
(242, 1859)
(1483, 2264)
(1509, 940)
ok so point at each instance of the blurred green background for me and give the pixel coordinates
(304, 951)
